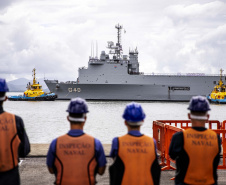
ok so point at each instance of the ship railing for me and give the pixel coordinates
(96, 62)
(136, 73)
(181, 74)
(69, 82)
(52, 81)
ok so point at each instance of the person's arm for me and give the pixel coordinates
(51, 156)
(114, 148)
(101, 170)
(156, 169)
(219, 143)
(155, 147)
(51, 170)
(176, 145)
(100, 157)
(24, 148)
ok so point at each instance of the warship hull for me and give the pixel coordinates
(174, 89)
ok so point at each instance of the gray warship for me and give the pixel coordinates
(114, 76)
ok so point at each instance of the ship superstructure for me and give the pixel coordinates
(114, 76)
(34, 89)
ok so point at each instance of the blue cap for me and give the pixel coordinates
(77, 106)
(199, 104)
(133, 112)
(3, 85)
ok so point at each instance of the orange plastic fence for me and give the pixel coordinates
(163, 131)
(222, 133)
(212, 124)
(223, 124)
(158, 134)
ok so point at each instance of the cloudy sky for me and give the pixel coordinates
(55, 36)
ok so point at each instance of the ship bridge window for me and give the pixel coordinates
(214, 82)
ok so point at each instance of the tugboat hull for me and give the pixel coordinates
(48, 97)
(221, 101)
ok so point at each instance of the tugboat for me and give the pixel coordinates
(218, 95)
(34, 92)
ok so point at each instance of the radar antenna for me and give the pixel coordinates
(119, 51)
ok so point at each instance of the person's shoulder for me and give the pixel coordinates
(18, 117)
(123, 136)
(19, 122)
(85, 134)
(144, 135)
(115, 139)
(97, 140)
(212, 131)
(177, 135)
(54, 141)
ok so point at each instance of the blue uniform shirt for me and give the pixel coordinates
(114, 146)
(99, 151)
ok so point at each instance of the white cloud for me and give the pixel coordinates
(55, 36)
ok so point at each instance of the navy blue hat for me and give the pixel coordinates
(77, 106)
(133, 112)
(199, 104)
(3, 85)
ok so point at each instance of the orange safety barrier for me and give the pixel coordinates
(223, 124)
(187, 123)
(158, 134)
(169, 131)
(184, 124)
(163, 131)
(222, 133)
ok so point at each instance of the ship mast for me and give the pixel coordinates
(34, 81)
(221, 82)
(118, 44)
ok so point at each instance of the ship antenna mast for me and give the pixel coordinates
(96, 50)
(221, 82)
(34, 81)
(118, 51)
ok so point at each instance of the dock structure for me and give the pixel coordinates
(33, 169)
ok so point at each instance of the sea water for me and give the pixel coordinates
(46, 120)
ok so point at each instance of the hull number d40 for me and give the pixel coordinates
(74, 89)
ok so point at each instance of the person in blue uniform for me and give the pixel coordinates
(197, 149)
(76, 157)
(134, 154)
(14, 142)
